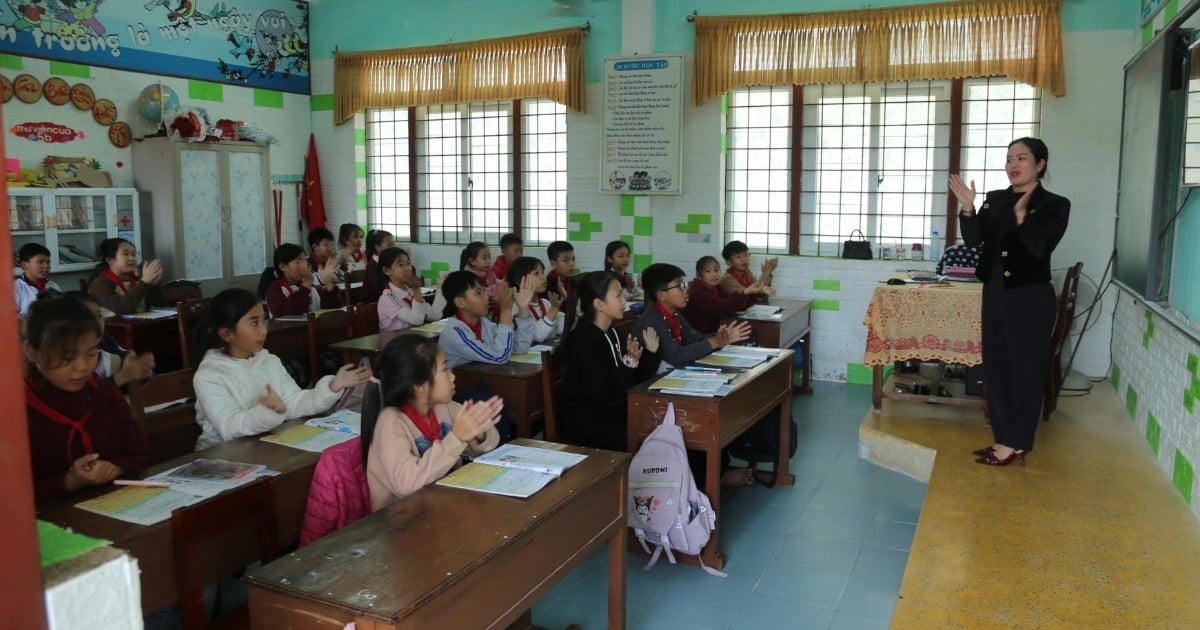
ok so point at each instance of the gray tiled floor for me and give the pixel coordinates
(826, 553)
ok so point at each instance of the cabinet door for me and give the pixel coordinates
(200, 207)
(247, 213)
(81, 219)
(27, 222)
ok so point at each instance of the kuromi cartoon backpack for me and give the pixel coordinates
(666, 510)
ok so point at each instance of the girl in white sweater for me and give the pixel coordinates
(242, 389)
(412, 432)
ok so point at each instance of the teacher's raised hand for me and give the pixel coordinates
(965, 194)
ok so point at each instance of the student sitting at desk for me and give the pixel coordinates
(708, 302)
(738, 277)
(118, 286)
(412, 432)
(118, 365)
(561, 255)
(374, 281)
(679, 343)
(350, 255)
(544, 311)
(477, 258)
(35, 277)
(288, 286)
(81, 431)
(242, 389)
(511, 248)
(469, 335)
(592, 406)
(616, 261)
(327, 278)
(399, 307)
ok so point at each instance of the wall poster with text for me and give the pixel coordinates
(252, 43)
(643, 120)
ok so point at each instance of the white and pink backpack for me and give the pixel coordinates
(666, 509)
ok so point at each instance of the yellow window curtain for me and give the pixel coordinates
(537, 65)
(1020, 39)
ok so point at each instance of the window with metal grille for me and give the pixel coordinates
(463, 181)
(871, 157)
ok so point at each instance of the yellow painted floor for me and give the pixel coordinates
(1090, 534)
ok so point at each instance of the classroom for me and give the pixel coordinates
(209, 136)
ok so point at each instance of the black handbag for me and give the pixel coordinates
(857, 249)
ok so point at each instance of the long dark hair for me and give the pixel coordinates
(375, 239)
(469, 253)
(225, 311)
(611, 249)
(520, 268)
(405, 363)
(345, 232)
(106, 251)
(387, 258)
(589, 287)
(54, 325)
(456, 285)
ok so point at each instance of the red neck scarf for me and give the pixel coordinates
(287, 286)
(534, 307)
(357, 255)
(316, 262)
(115, 279)
(477, 328)
(40, 285)
(405, 295)
(672, 321)
(625, 280)
(31, 399)
(742, 280)
(427, 424)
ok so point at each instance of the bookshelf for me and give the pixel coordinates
(71, 222)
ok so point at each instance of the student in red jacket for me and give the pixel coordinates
(708, 301)
(81, 431)
(291, 292)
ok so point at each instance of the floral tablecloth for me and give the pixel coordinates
(926, 322)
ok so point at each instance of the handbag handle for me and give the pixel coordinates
(864, 236)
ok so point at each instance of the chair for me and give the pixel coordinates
(553, 377)
(325, 328)
(172, 431)
(366, 319)
(357, 277)
(83, 284)
(217, 537)
(175, 293)
(1058, 339)
(188, 312)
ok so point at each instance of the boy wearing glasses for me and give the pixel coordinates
(679, 343)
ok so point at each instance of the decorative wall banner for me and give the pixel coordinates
(643, 117)
(45, 132)
(1150, 8)
(256, 43)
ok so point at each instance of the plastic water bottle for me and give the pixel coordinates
(935, 246)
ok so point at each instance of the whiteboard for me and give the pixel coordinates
(640, 151)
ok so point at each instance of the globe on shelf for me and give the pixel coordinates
(154, 100)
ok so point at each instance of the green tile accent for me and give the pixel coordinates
(360, 137)
(724, 143)
(627, 205)
(362, 205)
(1131, 397)
(1189, 401)
(206, 91)
(1116, 377)
(435, 269)
(579, 217)
(592, 226)
(1146, 340)
(858, 374)
(1169, 11)
(700, 219)
(321, 102)
(687, 228)
(1181, 476)
(627, 238)
(827, 285)
(572, 235)
(360, 170)
(1153, 432)
(826, 305)
(1195, 386)
(724, 104)
(643, 226)
(641, 261)
(1147, 33)
(268, 98)
(70, 69)
(11, 62)
(1193, 364)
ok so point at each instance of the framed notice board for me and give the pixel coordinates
(643, 120)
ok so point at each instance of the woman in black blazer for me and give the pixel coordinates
(1017, 228)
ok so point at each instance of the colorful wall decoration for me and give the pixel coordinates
(255, 43)
(57, 91)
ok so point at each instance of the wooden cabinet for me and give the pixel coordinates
(71, 222)
(209, 201)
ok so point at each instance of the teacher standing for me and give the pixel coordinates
(1017, 229)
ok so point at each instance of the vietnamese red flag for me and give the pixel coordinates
(312, 202)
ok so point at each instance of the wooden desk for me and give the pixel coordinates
(452, 558)
(924, 322)
(160, 336)
(371, 345)
(519, 384)
(794, 324)
(152, 545)
(711, 424)
(287, 339)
